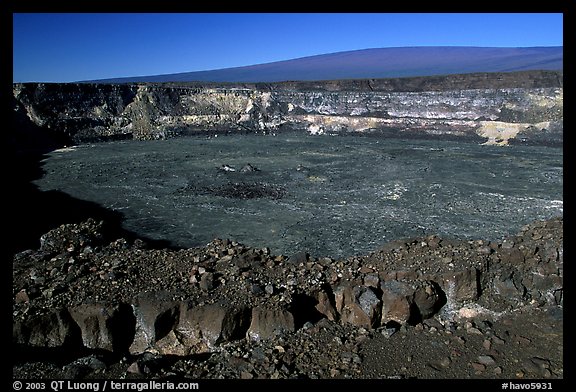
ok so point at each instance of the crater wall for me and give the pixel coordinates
(495, 108)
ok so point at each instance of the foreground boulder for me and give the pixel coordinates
(53, 329)
(201, 328)
(397, 298)
(156, 314)
(461, 286)
(105, 327)
(359, 306)
(269, 323)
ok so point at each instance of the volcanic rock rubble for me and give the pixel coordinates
(88, 306)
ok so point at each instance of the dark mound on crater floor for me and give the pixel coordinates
(239, 190)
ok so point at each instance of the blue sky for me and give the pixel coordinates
(69, 47)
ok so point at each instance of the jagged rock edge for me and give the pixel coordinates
(454, 296)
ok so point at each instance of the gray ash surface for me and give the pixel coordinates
(330, 196)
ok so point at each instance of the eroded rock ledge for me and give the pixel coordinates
(80, 291)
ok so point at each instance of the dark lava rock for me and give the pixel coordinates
(255, 314)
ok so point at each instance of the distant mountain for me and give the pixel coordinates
(376, 64)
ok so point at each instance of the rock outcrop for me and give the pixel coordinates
(123, 298)
(499, 108)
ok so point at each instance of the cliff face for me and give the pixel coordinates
(493, 108)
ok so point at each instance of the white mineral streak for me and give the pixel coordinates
(249, 106)
(315, 129)
(474, 310)
(448, 310)
(556, 204)
(358, 111)
(543, 98)
(65, 149)
(499, 133)
(365, 123)
(395, 192)
(266, 98)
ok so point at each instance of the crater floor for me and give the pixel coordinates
(334, 196)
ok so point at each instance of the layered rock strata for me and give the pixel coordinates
(498, 108)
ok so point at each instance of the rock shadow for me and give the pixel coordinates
(32, 212)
